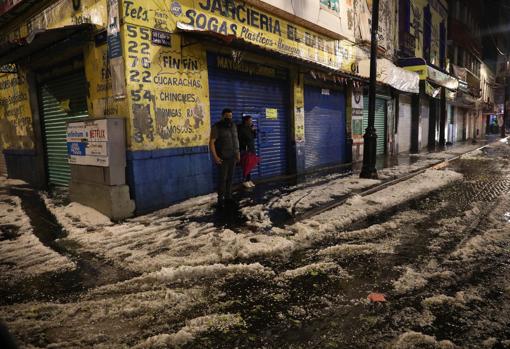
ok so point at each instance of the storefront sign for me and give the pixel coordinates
(271, 113)
(87, 143)
(161, 38)
(241, 20)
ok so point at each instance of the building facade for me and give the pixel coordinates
(167, 69)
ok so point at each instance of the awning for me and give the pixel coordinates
(239, 43)
(432, 91)
(389, 74)
(430, 73)
(11, 52)
(465, 100)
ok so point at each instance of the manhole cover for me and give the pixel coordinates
(8, 232)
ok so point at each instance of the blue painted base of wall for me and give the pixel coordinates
(159, 178)
(22, 164)
(300, 158)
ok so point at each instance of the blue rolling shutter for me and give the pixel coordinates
(252, 95)
(380, 121)
(324, 127)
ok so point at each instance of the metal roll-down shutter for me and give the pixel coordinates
(255, 95)
(324, 126)
(62, 99)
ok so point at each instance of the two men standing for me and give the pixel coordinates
(227, 141)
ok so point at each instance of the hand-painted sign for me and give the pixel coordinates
(87, 143)
(15, 113)
(168, 90)
(245, 22)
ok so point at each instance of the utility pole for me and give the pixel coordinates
(505, 109)
(370, 137)
(442, 121)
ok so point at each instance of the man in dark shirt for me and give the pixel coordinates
(224, 146)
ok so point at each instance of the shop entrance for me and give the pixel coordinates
(62, 98)
(324, 126)
(261, 91)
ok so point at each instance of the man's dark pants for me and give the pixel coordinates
(226, 174)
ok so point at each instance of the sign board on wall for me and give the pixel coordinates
(15, 113)
(168, 90)
(87, 143)
(357, 113)
(245, 22)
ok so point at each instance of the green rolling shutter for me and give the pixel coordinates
(380, 121)
(3, 165)
(62, 99)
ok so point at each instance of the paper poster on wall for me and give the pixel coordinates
(331, 5)
(299, 120)
(271, 113)
(357, 121)
(87, 143)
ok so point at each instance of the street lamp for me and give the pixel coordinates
(370, 137)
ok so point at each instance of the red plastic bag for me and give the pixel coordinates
(248, 162)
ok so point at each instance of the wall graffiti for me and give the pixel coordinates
(15, 112)
(168, 89)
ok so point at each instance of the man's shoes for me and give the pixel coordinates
(247, 184)
(251, 184)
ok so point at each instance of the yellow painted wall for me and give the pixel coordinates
(167, 86)
(60, 13)
(100, 99)
(16, 131)
(417, 19)
(168, 91)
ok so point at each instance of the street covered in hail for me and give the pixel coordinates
(420, 263)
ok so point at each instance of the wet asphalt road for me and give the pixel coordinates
(462, 302)
(442, 262)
